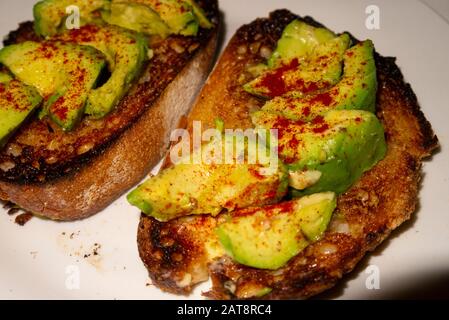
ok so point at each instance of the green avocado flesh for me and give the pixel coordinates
(203, 21)
(203, 184)
(297, 41)
(330, 136)
(181, 16)
(136, 17)
(49, 15)
(152, 17)
(341, 146)
(125, 52)
(17, 102)
(66, 67)
(356, 89)
(62, 73)
(268, 237)
(319, 70)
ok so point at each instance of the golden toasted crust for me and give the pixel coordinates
(378, 203)
(122, 158)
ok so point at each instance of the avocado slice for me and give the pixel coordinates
(321, 69)
(297, 41)
(17, 102)
(177, 14)
(62, 73)
(203, 184)
(356, 90)
(340, 146)
(200, 14)
(268, 237)
(125, 52)
(136, 17)
(49, 15)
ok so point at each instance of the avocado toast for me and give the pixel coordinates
(110, 92)
(310, 258)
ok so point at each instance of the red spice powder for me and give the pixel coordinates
(84, 34)
(288, 160)
(274, 81)
(321, 129)
(311, 87)
(47, 50)
(324, 98)
(81, 76)
(66, 59)
(306, 111)
(283, 125)
(244, 212)
(321, 125)
(318, 120)
(293, 142)
(9, 97)
(59, 109)
(307, 87)
(282, 122)
(285, 207)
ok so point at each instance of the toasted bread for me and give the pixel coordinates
(386, 196)
(68, 176)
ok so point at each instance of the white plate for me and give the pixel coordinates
(39, 261)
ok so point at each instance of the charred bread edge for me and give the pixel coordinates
(126, 161)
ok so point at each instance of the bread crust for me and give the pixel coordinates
(386, 196)
(125, 161)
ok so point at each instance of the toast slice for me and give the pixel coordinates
(174, 252)
(69, 176)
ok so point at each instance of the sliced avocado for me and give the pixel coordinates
(297, 41)
(190, 29)
(321, 69)
(49, 14)
(17, 102)
(136, 17)
(262, 292)
(356, 90)
(200, 14)
(326, 60)
(341, 146)
(126, 53)
(62, 73)
(268, 237)
(316, 213)
(203, 184)
(178, 15)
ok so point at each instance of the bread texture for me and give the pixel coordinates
(90, 183)
(174, 252)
